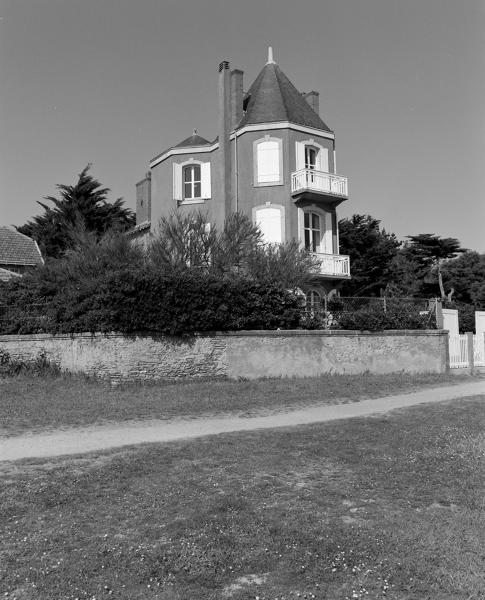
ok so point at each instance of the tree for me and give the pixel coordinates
(184, 242)
(371, 250)
(81, 206)
(427, 252)
(465, 275)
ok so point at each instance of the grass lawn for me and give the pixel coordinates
(34, 403)
(383, 507)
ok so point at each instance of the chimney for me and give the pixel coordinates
(236, 97)
(313, 100)
(224, 132)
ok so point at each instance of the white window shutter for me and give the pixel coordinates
(300, 155)
(268, 162)
(205, 175)
(177, 181)
(322, 160)
(269, 222)
(327, 241)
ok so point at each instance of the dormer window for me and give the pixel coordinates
(192, 182)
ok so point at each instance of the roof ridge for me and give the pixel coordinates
(278, 71)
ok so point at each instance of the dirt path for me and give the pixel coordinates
(102, 437)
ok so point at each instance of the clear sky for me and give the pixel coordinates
(115, 82)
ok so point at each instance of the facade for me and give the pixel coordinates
(18, 253)
(273, 160)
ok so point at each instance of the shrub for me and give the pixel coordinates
(398, 315)
(127, 301)
(39, 366)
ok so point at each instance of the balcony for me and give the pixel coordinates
(309, 184)
(333, 265)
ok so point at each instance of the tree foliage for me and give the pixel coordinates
(422, 258)
(465, 277)
(183, 242)
(110, 284)
(371, 250)
(80, 206)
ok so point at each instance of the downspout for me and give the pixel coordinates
(236, 173)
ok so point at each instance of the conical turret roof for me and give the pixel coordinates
(272, 98)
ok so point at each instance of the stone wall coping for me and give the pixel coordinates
(249, 333)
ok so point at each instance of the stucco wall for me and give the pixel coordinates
(241, 354)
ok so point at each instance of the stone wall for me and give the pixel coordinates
(248, 354)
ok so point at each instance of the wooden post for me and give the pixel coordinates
(469, 342)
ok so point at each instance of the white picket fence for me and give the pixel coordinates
(459, 354)
(479, 350)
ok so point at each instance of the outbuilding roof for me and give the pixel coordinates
(273, 98)
(18, 249)
(6, 275)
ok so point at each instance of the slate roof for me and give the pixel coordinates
(193, 140)
(18, 249)
(273, 98)
(190, 142)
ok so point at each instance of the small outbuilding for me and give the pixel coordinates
(18, 253)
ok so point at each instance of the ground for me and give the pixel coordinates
(376, 507)
(42, 403)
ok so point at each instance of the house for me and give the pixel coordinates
(18, 253)
(273, 160)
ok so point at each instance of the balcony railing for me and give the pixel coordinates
(319, 181)
(337, 265)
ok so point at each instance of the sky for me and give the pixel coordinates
(115, 82)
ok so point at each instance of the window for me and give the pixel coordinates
(316, 230)
(192, 182)
(312, 231)
(270, 220)
(268, 161)
(310, 155)
(313, 303)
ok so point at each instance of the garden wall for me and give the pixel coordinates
(248, 354)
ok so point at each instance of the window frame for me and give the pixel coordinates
(178, 188)
(322, 154)
(326, 245)
(313, 303)
(192, 182)
(256, 143)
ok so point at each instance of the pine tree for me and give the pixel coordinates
(82, 206)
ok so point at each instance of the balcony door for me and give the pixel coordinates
(317, 231)
(311, 156)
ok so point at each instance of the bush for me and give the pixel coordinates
(398, 315)
(177, 303)
(39, 366)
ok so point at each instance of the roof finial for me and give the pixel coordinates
(270, 56)
(195, 132)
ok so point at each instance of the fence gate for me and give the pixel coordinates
(479, 339)
(458, 345)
